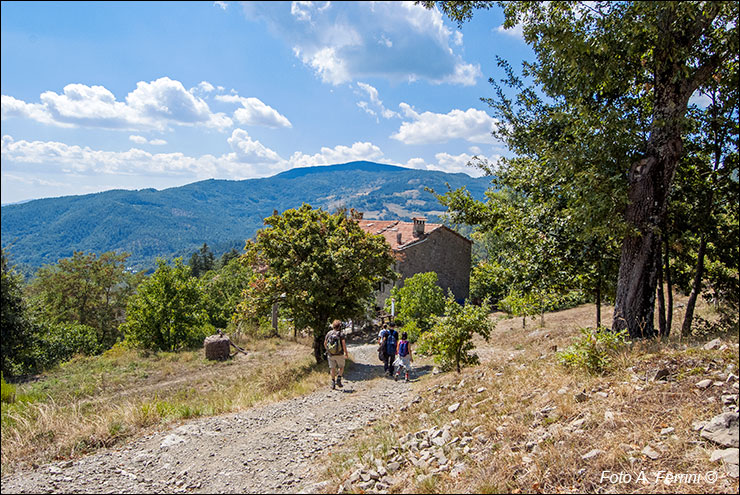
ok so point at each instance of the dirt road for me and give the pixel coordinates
(266, 449)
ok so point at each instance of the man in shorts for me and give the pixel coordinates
(336, 353)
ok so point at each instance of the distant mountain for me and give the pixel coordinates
(175, 222)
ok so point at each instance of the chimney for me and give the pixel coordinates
(419, 226)
(398, 238)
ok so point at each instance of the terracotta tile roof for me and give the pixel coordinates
(391, 228)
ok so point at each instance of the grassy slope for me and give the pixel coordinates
(100, 401)
(522, 380)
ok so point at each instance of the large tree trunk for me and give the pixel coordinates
(650, 178)
(695, 288)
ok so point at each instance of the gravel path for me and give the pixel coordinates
(266, 449)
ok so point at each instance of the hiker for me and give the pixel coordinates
(390, 339)
(381, 344)
(336, 353)
(403, 351)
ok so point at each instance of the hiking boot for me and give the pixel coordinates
(333, 385)
(395, 377)
(407, 378)
(339, 382)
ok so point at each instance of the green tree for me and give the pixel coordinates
(608, 108)
(418, 301)
(201, 261)
(450, 340)
(84, 289)
(223, 288)
(166, 312)
(16, 326)
(319, 266)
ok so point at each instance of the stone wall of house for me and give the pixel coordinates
(442, 251)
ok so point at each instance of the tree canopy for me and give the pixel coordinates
(318, 266)
(599, 120)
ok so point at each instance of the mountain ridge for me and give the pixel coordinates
(150, 223)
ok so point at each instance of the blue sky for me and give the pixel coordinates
(110, 95)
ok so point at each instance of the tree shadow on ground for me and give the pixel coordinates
(361, 371)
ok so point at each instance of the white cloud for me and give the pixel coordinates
(222, 5)
(338, 154)
(461, 163)
(152, 105)
(142, 140)
(255, 112)
(471, 125)
(349, 41)
(514, 32)
(375, 102)
(247, 150)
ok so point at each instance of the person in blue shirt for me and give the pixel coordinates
(389, 339)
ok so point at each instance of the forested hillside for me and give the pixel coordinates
(174, 222)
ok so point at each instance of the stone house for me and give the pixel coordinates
(425, 247)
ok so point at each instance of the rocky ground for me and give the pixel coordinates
(267, 449)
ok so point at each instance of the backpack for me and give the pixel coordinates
(390, 342)
(334, 343)
(403, 348)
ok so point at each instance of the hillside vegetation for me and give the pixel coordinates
(176, 221)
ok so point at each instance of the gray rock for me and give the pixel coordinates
(722, 430)
(591, 454)
(712, 344)
(704, 384)
(667, 431)
(454, 407)
(392, 467)
(171, 440)
(650, 452)
(726, 455)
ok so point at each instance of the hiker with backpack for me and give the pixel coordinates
(336, 353)
(389, 339)
(381, 343)
(403, 350)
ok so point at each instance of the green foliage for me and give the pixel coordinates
(222, 290)
(412, 330)
(166, 313)
(593, 351)
(202, 261)
(84, 289)
(318, 266)
(490, 280)
(419, 300)
(451, 338)
(7, 392)
(59, 342)
(17, 329)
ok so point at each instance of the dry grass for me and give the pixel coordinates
(97, 402)
(525, 440)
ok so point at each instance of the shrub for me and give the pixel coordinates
(592, 352)
(451, 338)
(419, 300)
(166, 313)
(58, 343)
(7, 391)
